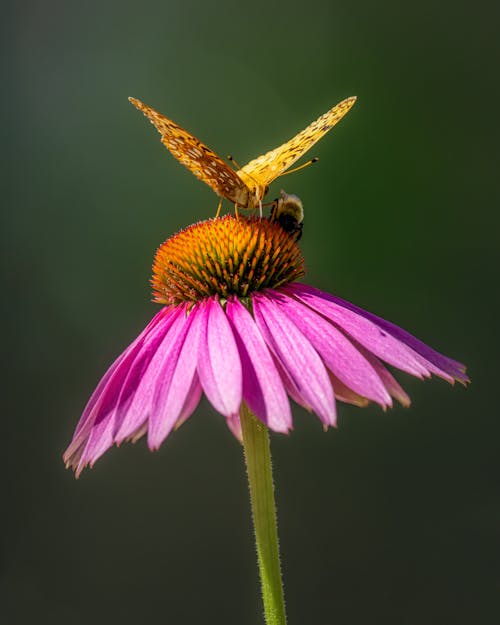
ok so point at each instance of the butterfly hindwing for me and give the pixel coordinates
(266, 168)
(203, 162)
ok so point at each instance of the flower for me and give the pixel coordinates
(238, 326)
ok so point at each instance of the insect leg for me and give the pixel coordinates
(218, 209)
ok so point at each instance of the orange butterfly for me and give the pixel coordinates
(246, 187)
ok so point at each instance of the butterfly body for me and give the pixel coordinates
(247, 187)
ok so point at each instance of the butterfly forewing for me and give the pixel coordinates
(266, 168)
(197, 157)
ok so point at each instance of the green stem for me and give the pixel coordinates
(260, 480)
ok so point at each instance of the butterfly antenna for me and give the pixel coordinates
(292, 171)
(231, 159)
(256, 182)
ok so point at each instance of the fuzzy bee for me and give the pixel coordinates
(288, 211)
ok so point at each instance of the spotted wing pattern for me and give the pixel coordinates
(203, 162)
(266, 168)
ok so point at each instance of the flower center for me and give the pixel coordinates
(228, 256)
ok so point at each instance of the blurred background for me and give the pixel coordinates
(391, 519)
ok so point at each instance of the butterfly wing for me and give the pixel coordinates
(203, 162)
(266, 168)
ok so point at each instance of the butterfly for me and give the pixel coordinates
(247, 186)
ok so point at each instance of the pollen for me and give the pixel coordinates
(225, 256)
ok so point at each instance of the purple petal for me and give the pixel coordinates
(297, 356)
(290, 385)
(263, 389)
(234, 425)
(140, 384)
(127, 421)
(364, 331)
(345, 394)
(448, 365)
(139, 433)
(192, 400)
(390, 383)
(94, 434)
(219, 365)
(101, 436)
(175, 380)
(99, 441)
(338, 353)
(435, 362)
(119, 366)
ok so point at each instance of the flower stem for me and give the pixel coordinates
(260, 480)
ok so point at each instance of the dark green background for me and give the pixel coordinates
(391, 519)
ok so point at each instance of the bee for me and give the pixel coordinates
(287, 210)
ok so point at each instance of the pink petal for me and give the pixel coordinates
(297, 356)
(431, 360)
(192, 400)
(174, 380)
(263, 389)
(128, 421)
(442, 365)
(390, 383)
(143, 377)
(219, 365)
(338, 353)
(119, 366)
(290, 386)
(345, 394)
(234, 425)
(139, 433)
(94, 434)
(364, 331)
